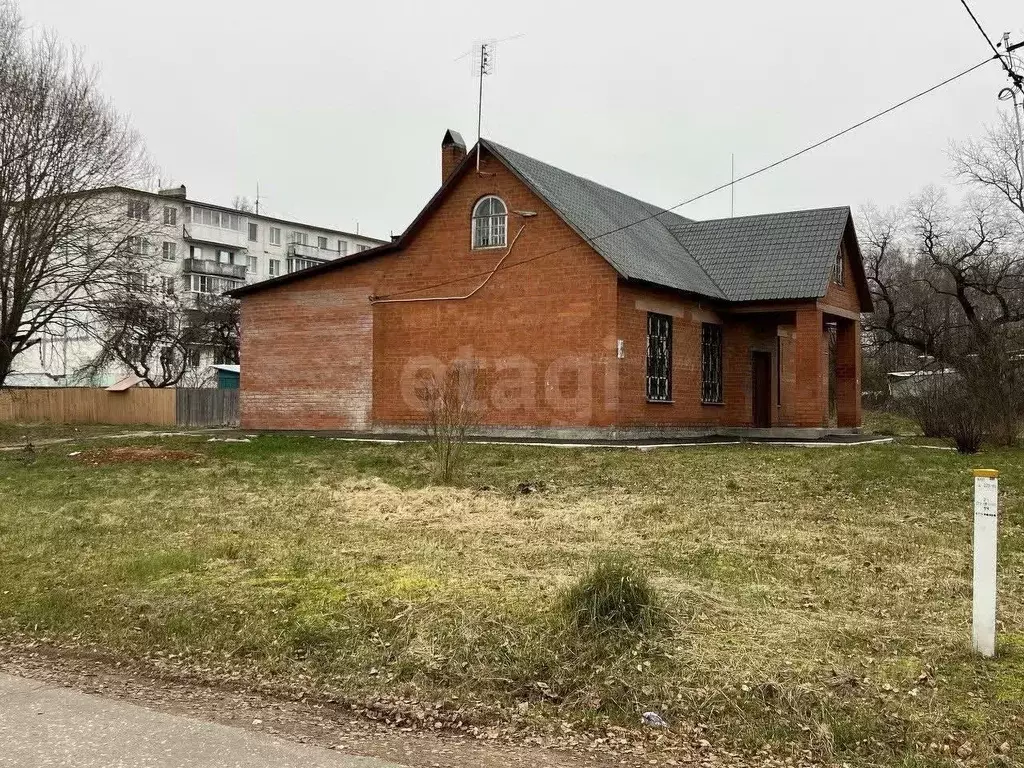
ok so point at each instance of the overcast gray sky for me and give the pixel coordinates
(338, 108)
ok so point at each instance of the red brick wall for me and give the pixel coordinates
(307, 353)
(543, 333)
(741, 335)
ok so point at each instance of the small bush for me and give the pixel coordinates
(613, 594)
(951, 407)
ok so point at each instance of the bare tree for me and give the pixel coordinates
(948, 283)
(160, 336)
(240, 203)
(452, 407)
(60, 245)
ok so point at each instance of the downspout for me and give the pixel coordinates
(458, 298)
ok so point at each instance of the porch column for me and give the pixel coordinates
(810, 396)
(848, 405)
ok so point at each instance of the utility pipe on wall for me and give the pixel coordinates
(458, 298)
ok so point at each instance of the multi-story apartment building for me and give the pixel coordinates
(193, 248)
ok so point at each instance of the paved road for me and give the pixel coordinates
(46, 727)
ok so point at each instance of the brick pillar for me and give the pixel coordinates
(810, 407)
(848, 407)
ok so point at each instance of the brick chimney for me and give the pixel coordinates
(453, 150)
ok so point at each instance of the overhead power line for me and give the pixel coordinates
(1007, 63)
(752, 174)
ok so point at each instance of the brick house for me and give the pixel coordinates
(587, 313)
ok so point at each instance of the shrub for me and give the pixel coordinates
(953, 407)
(613, 594)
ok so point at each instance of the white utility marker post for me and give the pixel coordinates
(986, 526)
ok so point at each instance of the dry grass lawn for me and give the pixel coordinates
(816, 597)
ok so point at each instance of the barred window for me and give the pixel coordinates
(490, 223)
(659, 357)
(711, 363)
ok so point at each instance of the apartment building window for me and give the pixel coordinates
(195, 252)
(361, 248)
(711, 363)
(211, 218)
(136, 281)
(170, 251)
(137, 245)
(343, 247)
(254, 232)
(138, 210)
(167, 285)
(274, 267)
(170, 215)
(275, 236)
(659, 357)
(208, 284)
(193, 357)
(837, 268)
(225, 257)
(220, 357)
(299, 238)
(321, 243)
(252, 264)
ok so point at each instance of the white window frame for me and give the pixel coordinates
(275, 235)
(170, 215)
(274, 267)
(254, 232)
(167, 285)
(169, 251)
(495, 222)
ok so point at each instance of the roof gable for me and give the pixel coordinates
(771, 256)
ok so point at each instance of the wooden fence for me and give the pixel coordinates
(206, 407)
(156, 407)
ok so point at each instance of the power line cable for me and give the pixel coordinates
(752, 174)
(1017, 79)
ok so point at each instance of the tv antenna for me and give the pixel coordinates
(484, 60)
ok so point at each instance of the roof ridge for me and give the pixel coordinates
(644, 203)
(774, 213)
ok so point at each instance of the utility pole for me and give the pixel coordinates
(1015, 93)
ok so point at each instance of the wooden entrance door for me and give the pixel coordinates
(761, 389)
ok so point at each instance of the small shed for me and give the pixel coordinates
(227, 376)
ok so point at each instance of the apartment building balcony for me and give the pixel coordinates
(303, 251)
(203, 233)
(208, 267)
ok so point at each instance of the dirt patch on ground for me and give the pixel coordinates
(134, 455)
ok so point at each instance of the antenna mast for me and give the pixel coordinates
(732, 188)
(482, 67)
(257, 198)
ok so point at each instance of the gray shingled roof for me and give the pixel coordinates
(645, 251)
(772, 256)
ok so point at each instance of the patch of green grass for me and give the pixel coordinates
(892, 424)
(806, 596)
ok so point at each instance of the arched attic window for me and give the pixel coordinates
(490, 223)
